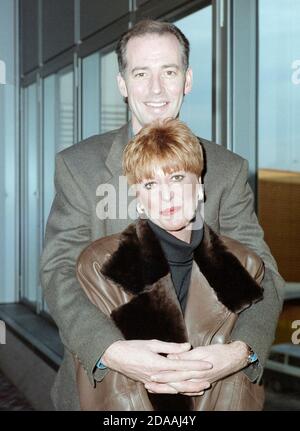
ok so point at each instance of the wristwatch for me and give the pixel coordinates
(252, 356)
(100, 366)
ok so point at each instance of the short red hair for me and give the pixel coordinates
(169, 145)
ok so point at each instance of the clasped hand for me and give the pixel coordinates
(183, 370)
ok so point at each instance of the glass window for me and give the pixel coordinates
(65, 110)
(279, 132)
(279, 85)
(103, 108)
(113, 108)
(277, 357)
(91, 95)
(294, 361)
(197, 107)
(30, 207)
(49, 142)
(38, 165)
(58, 128)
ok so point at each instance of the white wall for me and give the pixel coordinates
(8, 150)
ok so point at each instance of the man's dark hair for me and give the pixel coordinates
(149, 26)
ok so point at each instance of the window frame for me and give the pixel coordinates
(226, 77)
(72, 59)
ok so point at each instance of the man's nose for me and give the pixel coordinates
(156, 84)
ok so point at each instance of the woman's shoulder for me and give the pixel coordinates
(99, 250)
(248, 258)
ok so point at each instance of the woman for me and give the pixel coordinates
(169, 276)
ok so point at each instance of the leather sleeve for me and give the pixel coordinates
(85, 331)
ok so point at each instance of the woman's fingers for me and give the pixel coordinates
(178, 376)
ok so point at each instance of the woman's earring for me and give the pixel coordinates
(200, 193)
(139, 208)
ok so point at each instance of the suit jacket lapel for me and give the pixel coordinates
(114, 158)
(119, 218)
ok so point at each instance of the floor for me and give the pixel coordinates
(12, 399)
(288, 401)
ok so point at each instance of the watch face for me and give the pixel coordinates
(252, 357)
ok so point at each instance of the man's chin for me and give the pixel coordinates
(157, 117)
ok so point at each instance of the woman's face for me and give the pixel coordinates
(169, 200)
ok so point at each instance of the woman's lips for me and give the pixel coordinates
(169, 211)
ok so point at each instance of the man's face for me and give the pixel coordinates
(155, 80)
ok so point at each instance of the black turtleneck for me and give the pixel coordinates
(179, 255)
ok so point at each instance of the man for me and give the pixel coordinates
(154, 77)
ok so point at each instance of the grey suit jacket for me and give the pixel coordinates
(73, 224)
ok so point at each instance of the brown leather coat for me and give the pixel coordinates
(127, 276)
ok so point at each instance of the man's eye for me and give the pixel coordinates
(140, 75)
(170, 72)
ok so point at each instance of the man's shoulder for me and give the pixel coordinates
(91, 145)
(90, 155)
(217, 153)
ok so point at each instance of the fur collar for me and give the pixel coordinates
(140, 267)
(139, 262)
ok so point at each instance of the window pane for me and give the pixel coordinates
(103, 108)
(49, 145)
(65, 110)
(294, 361)
(113, 108)
(91, 95)
(30, 208)
(279, 132)
(197, 107)
(58, 130)
(277, 357)
(279, 83)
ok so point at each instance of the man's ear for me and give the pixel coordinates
(188, 81)
(122, 85)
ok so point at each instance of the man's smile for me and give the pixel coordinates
(156, 104)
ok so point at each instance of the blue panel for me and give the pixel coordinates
(197, 107)
(279, 85)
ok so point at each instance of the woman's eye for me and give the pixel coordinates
(149, 186)
(177, 178)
